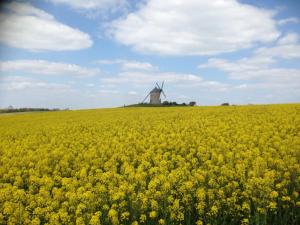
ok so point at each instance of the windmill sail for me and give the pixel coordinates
(162, 91)
(146, 97)
(155, 94)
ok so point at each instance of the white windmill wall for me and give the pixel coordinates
(155, 98)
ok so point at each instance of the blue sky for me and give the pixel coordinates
(107, 53)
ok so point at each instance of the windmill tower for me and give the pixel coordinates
(155, 94)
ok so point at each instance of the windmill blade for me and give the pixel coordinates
(163, 94)
(157, 85)
(145, 98)
(162, 84)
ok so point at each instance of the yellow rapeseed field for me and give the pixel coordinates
(188, 165)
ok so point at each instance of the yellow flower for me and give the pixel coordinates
(113, 216)
(143, 218)
(152, 214)
(246, 206)
(272, 205)
(161, 221)
(274, 194)
(135, 164)
(286, 198)
(125, 215)
(245, 221)
(214, 210)
(199, 222)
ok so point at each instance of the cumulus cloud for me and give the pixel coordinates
(132, 92)
(108, 92)
(194, 27)
(129, 64)
(253, 68)
(137, 78)
(287, 47)
(262, 65)
(16, 83)
(46, 68)
(290, 38)
(288, 20)
(27, 27)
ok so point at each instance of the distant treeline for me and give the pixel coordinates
(26, 110)
(164, 104)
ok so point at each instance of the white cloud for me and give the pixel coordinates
(138, 78)
(288, 20)
(272, 85)
(90, 85)
(129, 64)
(262, 65)
(287, 47)
(254, 68)
(46, 68)
(183, 97)
(89, 4)
(290, 38)
(27, 10)
(108, 92)
(30, 28)
(245, 68)
(16, 83)
(179, 27)
(132, 92)
(92, 8)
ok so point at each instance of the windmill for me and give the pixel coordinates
(155, 94)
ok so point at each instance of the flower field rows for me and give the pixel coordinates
(191, 165)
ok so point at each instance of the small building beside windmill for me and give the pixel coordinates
(155, 96)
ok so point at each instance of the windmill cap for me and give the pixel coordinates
(154, 90)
